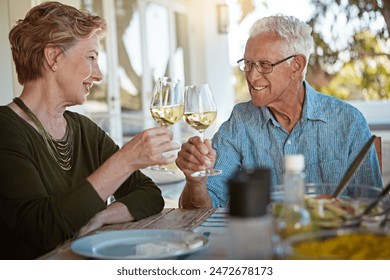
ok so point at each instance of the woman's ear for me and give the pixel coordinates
(51, 52)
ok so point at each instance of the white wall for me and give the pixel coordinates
(210, 60)
(375, 112)
(7, 73)
(5, 66)
(10, 12)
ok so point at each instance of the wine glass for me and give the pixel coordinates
(167, 106)
(200, 112)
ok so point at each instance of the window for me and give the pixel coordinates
(151, 41)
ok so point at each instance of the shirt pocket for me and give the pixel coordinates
(325, 172)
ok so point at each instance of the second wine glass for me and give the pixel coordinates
(200, 112)
(167, 105)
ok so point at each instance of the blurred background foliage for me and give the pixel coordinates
(351, 58)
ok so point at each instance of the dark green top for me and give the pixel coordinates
(42, 205)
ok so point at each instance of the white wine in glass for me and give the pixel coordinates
(167, 105)
(167, 115)
(200, 112)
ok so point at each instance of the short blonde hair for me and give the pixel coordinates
(49, 23)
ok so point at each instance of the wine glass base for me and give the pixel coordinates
(205, 173)
(161, 169)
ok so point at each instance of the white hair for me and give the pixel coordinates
(296, 33)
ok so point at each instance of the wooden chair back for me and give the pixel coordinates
(378, 148)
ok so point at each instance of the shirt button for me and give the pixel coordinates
(289, 142)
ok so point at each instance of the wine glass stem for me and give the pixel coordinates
(202, 138)
(201, 135)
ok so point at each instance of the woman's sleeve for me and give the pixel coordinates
(139, 193)
(33, 206)
(141, 196)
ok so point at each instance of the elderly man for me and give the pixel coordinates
(284, 116)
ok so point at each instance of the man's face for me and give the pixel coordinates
(268, 89)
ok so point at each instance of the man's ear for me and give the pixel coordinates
(298, 65)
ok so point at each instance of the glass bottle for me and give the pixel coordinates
(294, 217)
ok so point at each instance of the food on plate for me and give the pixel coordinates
(333, 212)
(351, 246)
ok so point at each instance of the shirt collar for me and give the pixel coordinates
(312, 108)
(268, 117)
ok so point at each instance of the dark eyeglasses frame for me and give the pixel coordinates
(259, 65)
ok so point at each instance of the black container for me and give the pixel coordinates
(250, 192)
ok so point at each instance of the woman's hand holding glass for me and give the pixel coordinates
(145, 149)
(167, 105)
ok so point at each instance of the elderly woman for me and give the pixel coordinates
(284, 116)
(58, 168)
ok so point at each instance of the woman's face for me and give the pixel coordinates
(78, 70)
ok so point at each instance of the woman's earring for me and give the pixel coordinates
(54, 67)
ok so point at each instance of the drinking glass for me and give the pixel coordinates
(200, 112)
(167, 105)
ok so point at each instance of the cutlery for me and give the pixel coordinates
(383, 224)
(353, 167)
(383, 194)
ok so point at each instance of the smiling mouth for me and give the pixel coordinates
(258, 88)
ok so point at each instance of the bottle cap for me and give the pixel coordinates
(294, 163)
(250, 192)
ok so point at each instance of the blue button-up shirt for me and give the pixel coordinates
(329, 134)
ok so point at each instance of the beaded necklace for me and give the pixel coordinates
(60, 150)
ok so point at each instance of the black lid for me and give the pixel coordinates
(250, 192)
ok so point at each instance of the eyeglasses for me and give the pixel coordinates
(264, 67)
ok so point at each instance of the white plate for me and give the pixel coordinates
(139, 244)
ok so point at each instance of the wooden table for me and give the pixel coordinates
(211, 222)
